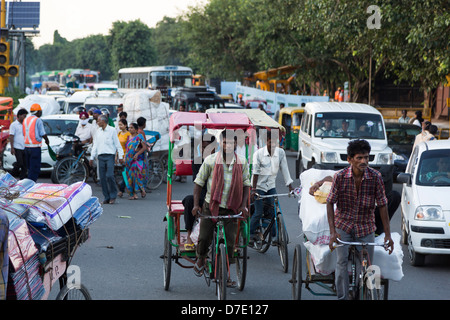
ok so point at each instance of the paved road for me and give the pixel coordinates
(122, 258)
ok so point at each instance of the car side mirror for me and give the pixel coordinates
(404, 178)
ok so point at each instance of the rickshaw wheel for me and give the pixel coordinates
(296, 280)
(282, 245)
(74, 292)
(167, 260)
(222, 273)
(241, 262)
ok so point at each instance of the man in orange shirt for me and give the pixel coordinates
(34, 132)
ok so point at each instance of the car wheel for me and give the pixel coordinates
(416, 259)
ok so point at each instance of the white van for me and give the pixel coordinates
(327, 127)
(76, 100)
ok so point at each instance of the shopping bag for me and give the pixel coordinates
(195, 231)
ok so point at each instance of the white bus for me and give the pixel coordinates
(161, 78)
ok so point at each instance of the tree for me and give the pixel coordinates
(131, 45)
(170, 44)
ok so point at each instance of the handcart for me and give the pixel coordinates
(40, 254)
(175, 237)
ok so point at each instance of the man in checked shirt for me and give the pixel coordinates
(355, 191)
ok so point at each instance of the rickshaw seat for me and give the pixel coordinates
(183, 167)
(176, 207)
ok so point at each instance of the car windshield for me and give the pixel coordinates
(402, 136)
(57, 127)
(434, 168)
(348, 125)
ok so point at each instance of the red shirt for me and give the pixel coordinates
(355, 210)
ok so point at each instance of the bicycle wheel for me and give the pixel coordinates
(74, 293)
(296, 280)
(370, 284)
(241, 261)
(156, 173)
(70, 170)
(167, 258)
(221, 273)
(282, 243)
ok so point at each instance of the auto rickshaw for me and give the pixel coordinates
(290, 118)
(6, 118)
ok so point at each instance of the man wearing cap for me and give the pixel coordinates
(34, 132)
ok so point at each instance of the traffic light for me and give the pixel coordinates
(6, 70)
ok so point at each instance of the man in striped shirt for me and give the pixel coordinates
(356, 190)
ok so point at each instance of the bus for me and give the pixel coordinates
(162, 78)
(79, 78)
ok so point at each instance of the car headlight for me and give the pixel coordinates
(385, 158)
(429, 213)
(329, 157)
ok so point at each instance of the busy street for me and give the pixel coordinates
(128, 242)
(257, 151)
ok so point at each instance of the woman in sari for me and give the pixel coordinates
(136, 167)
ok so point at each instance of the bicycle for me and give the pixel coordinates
(365, 285)
(217, 264)
(272, 225)
(71, 168)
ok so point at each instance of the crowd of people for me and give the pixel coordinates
(112, 143)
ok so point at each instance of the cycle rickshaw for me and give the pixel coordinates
(320, 261)
(217, 266)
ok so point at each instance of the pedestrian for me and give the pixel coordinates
(34, 133)
(356, 191)
(106, 145)
(136, 167)
(122, 115)
(261, 107)
(336, 94)
(404, 118)
(418, 119)
(267, 162)
(17, 142)
(228, 184)
(428, 133)
(124, 136)
(84, 128)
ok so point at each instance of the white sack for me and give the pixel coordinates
(312, 213)
(48, 104)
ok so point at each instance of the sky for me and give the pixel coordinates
(76, 19)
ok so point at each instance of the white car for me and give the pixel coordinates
(425, 204)
(54, 126)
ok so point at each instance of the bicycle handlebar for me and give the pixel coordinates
(353, 243)
(231, 216)
(294, 193)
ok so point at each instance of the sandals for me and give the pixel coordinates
(189, 247)
(231, 284)
(198, 271)
(143, 194)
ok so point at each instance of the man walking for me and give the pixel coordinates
(34, 132)
(106, 145)
(355, 191)
(17, 141)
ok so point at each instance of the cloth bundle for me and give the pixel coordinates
(88, 213)
(26, 282)
(54, 204)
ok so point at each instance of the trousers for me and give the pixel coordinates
(33, 160)
(342, 253)
(107, 179)
(206, 232)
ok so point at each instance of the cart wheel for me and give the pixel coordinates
(296, 280)
(167, 258)
(283, 243)
(241, 262)
(222, 273)
(73, 292)
(70, 170)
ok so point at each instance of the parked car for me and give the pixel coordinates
(196, 99)
(401, 138)
(54, 126)
(425, 206)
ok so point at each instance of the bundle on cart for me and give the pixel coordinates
(47, 222)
